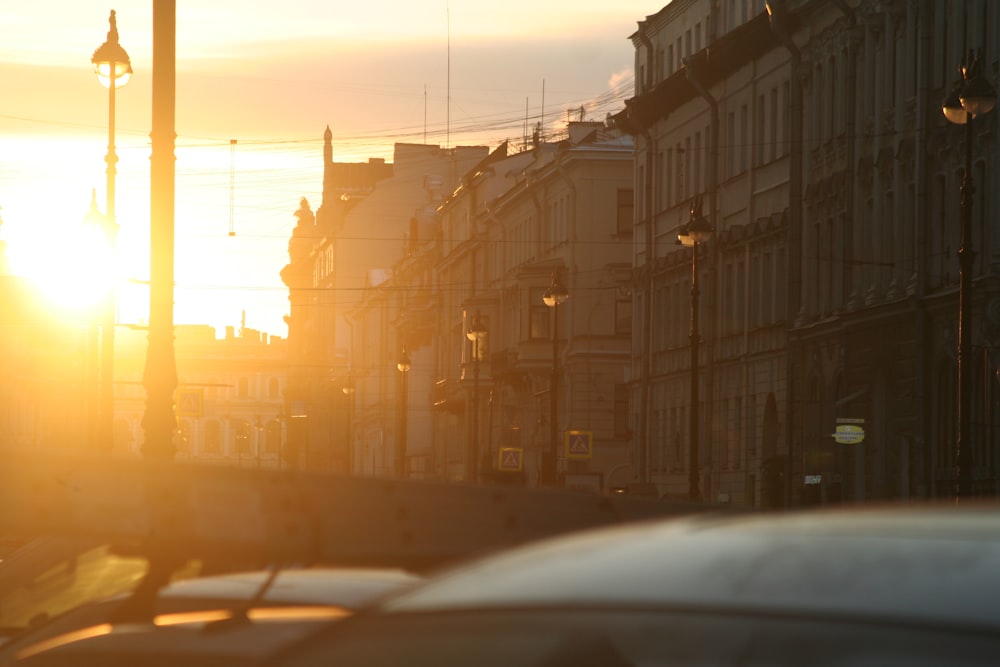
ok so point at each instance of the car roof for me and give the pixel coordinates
(346, 587)
(938, 564)
(332, 592)
(182, 644)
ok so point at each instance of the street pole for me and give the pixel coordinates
(555, 295)
(473, 454)
(399, 460)
(971, 97)
(348, 390)
(476, 334)
(160, 375)
(694, 474)
(113, 68)
(694, 233)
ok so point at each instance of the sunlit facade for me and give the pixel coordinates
(229, 402)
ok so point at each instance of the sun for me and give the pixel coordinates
(75, 276)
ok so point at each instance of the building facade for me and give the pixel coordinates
(464, 239)
(814, 133)
(229, 400)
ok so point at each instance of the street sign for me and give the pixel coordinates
(579, 444)
(849, 432)
(511, 459)
(190, 402)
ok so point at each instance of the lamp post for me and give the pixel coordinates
(348, 390)
(259, 425)
(160, 374)
(553, 297)
(113, 69)
(971, 97)
(399, 460)
(476, 333)
(696, 232)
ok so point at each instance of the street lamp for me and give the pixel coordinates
(348, 390)
(971, 97)
(113, 69)
(553, 297)
(476, 333)
(399, 460)
(259, 425)
(696, 232)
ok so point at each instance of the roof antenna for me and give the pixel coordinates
(232, 184)
(447, 141)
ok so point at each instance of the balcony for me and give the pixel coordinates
(447, 396)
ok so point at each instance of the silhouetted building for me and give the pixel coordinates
(829, 289)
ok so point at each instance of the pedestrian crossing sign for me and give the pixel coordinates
(511, 459)
(579, 444)
(190, 402)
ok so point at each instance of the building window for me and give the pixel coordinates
(773, 139)
(213, 437)
(539, 315)
(679, 174)
(785, 117)
(744, 136)
(759, 139)
(626, 212)
(272, 443)
(244, 391)
(623, 314)
(621, 411)
(697, 163)
(273, 389)
(767, 290)
(729, 300)
(730, 145)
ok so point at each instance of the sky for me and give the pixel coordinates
(256, 89)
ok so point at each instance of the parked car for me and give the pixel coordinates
(212, 620)
(875, 586)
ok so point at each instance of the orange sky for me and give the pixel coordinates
(376, 72)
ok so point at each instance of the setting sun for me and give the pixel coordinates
(74, 275)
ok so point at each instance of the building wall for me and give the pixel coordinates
(829, 289)
(230, 396)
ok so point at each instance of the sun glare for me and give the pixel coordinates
(74, 276)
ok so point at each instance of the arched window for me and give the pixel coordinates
(272, 440)
(182, 440)
(241, 436)
(213, 437)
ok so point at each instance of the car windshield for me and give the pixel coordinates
(625, 637)
(49, 576)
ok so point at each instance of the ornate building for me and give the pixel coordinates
(814, 132)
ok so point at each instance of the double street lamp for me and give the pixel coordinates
(554, 296)
(399, 460)
(694, 233)
(971, 97)
(113, 69)
(476, 333)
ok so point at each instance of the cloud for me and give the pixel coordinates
(622, 78)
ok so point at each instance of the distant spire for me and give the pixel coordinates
(328, 177)
(94, 216)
